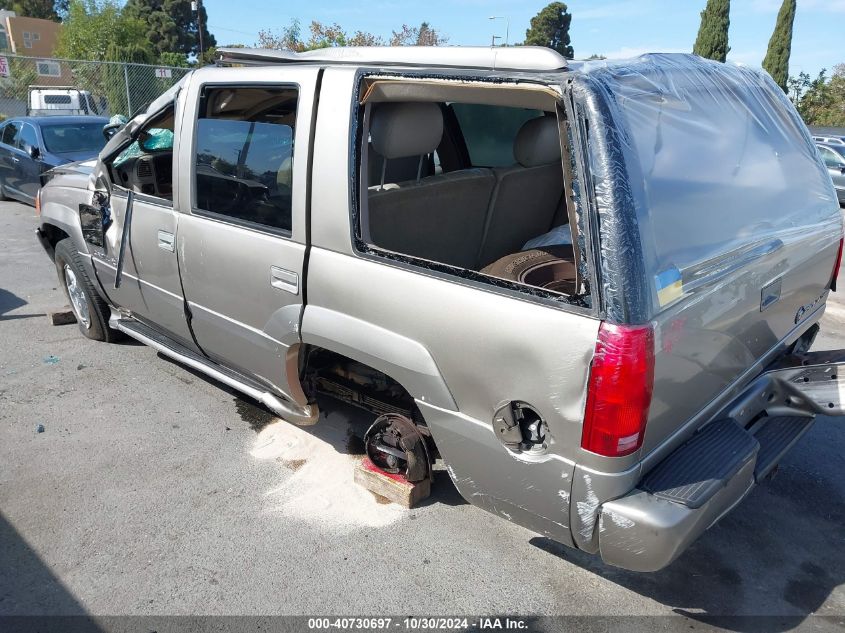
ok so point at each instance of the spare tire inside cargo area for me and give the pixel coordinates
(548, 267)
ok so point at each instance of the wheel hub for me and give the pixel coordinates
(78, 302)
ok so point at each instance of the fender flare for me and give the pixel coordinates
(403, 359)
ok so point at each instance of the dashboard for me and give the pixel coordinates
(151, 174)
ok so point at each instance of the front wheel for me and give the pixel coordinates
(91, 312)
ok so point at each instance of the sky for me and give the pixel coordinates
(612, 28)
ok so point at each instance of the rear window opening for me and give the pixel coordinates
(470, 178)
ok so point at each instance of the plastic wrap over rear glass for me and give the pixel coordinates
(719, 166)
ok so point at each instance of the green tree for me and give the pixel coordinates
(92, 27)
(424, 35)
(776, 62)
(820, 101)
(712, 39)
(177, 60)
(550, 28)
(45, 9)
(171, 25)
(290, 38)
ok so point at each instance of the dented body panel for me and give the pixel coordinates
(247, 304)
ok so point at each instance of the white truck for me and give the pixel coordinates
(60, 101)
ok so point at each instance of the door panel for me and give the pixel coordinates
(150, 288)
(28, 169)
(239, 316)
(243, 244)
(9, 155)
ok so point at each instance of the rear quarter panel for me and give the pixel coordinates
(487, 347)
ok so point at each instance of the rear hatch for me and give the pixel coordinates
(724, 226)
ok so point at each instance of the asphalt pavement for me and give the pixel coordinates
(131, 485)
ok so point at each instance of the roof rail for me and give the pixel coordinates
(527, 58)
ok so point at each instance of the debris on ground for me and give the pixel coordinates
(321, 487)
(61, 316)
(40, 428)
(50, 360)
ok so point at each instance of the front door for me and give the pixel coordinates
(243, 243)
(150, 289)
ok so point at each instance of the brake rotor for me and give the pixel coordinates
(395, 445)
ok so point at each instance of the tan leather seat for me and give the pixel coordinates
(527, 195)
(439, 218)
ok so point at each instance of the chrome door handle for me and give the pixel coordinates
(15, 159)
(166, 241)
(284, 279)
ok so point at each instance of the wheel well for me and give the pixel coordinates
(53, 235)
(325, 372)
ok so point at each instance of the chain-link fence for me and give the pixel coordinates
(30, 85)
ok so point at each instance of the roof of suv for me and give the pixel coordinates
(530, 58)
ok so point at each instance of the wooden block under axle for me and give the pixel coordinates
(61, 316)
(394, 488)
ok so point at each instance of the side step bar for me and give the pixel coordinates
(291, 412)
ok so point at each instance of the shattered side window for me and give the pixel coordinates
(157, 140)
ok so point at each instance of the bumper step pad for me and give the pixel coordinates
(701, 467)
(776, 437)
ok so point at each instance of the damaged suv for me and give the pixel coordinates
(589, 288)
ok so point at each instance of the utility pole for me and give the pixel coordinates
(196, 6)
(507, 26)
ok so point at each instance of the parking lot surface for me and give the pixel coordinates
(131, 485)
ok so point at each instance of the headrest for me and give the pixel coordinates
(537, 142)
(399, 130)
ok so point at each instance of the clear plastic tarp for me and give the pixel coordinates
(718, 164)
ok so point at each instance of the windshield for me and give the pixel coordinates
(73, 137)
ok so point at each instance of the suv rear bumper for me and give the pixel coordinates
(709, 475)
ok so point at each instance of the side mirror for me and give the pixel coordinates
(110, 129)
(33, 152)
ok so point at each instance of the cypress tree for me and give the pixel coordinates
(712, 40)
(550, 28)
(776, 61)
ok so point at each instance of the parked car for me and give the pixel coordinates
(834, 159)
(832, 140)
(578, 285)
(29, 146)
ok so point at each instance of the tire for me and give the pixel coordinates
(84, 299)
(3, 195)
(549, 267)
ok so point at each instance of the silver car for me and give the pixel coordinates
(834, 159)
(578, 285)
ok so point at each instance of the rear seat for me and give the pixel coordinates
(441, 217)
(527, 196)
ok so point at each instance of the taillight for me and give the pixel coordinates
(836, 265)
(38, 203)
(619, 396)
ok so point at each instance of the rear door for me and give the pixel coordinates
(9, 155)
(28, 168)
(243, 242)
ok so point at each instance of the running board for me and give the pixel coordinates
(295, 414)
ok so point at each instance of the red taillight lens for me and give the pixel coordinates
(619, 396)
(837, 265)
